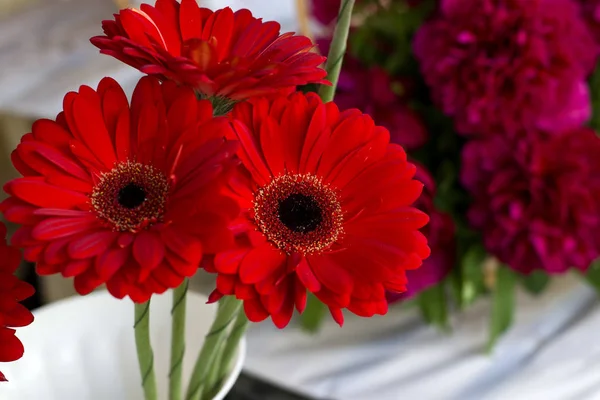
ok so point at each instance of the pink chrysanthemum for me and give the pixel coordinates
(518, 63)
(537, 202)
(591, 13)
(371, 90)
(326, 11)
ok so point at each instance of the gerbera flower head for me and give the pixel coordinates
(440, 234)
(123, 195)
(12, 313)
(536, 201)
(221, 54)
(520, 63)
(326, 203)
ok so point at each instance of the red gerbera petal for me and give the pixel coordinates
(327, 203)
(259, 263)
(124, 195)
(12, 313)
(221, 53)
(11, 348)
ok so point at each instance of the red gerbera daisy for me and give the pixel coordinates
(126, 196)
(221, 53)
(12, 291)
(327, 203)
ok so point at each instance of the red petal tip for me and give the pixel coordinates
(214, 297)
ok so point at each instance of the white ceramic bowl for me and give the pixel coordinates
(83, 348)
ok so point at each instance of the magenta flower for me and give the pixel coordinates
(537, 200)
(370, 90)
(325, 11)
(591, 13)
(520, 64)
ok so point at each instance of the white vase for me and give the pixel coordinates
(83, 348)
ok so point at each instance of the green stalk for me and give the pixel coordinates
(337, 50)
(212, 378)
(177, 340)
(226, 314)
(212, 381)
(313, 315)
(226, 355)
(231, 347)
(144, 349)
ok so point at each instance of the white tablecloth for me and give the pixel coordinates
(552, 353)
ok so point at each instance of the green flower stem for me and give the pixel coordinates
(337, 50)
(226, 355)
(313, 315)
(226, 314)
(231, 347)
(144, 349)
(177, 340)
(213, 382)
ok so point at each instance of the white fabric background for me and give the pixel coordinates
(552, 353)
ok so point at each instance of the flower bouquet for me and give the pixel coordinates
(496, 102)
(217, 162)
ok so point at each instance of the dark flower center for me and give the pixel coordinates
(131, 196)
(300, 213)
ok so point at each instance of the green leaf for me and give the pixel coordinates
(384, 38)
(503, 304)
(594, 83)
(312, 317)
(472, 274)
(433, 306)
(592, 276)
(536, 282)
